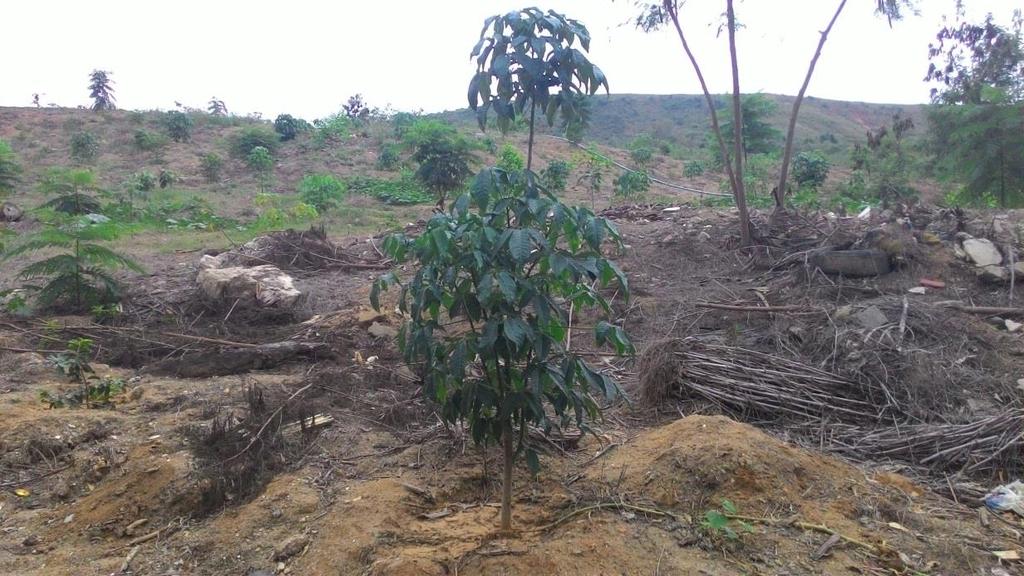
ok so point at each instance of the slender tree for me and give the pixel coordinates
(101, 90)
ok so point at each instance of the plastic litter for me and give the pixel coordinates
(1008, 497)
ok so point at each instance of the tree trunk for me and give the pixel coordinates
(737, 123)
(715, 128)
(787, 155)
(506, 478)
(529, 145)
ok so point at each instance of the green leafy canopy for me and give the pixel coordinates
(488, 306)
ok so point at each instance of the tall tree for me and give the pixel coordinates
(654, 15)
(977, 123)
(101, 90)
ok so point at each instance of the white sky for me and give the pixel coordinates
(306, 57)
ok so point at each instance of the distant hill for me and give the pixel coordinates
(682, 120)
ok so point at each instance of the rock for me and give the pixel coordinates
(844, 312)
(703, 236)
(1020, 384)
(136, 393)
(378, 330)
(993, 274)
(10, 212)
(1012, 326)
(1018, 270)
(671, 209)
(871, 317)
(30, 541)
(852, 263)
(291, 547)
(982, 252)
(918, 290)
(266, 286)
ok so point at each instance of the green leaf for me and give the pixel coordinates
(519, 245)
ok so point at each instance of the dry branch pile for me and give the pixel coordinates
(753, 385)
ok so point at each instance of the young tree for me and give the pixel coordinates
(504, 264)
(443, 155)
(101, 90)
(71, 191)
(521, 56)
(759, 136)
(355, 108)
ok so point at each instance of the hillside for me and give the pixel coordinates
(682, 120)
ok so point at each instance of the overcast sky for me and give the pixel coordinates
(306, 57)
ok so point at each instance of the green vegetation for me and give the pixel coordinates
(508, 260)
(95, 392)
(143, 181)
(178, 125)
(217, 107)
(509, 159)
(251, 137)
(71, 191)
(321, 191)
(79, 275)
(146, 141)
(288, 127)
(444, 157)
(555, 175)
(632, 185)
(10, 169)
(810, 169)
(407, 189)
(166, 178)
(389, 156)
(641, 150)
(211, 165)
(331, 130)
(101, 90)
(723, 522)
(85, 146)
(694, 168)
(759, 136)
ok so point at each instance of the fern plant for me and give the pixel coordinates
(79, 275)
(70, 191)
(10, 170)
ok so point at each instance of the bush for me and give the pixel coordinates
(321, 191)
(631, 185)
(143, 181)
(510, 160)
(260, 160)
(288, 126)
(146, 141)
(331, 130)
(641, 156)
(389, 157)
(211, 166)
(810, 169)
(166, 178)
(405, 190)
(85, 146)
(555, 175)
(245, 141)
(694, 168)
(178, 125)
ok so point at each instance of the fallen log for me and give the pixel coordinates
(233, 360)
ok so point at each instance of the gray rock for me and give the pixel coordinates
(291, 547)
(266, 286)
(993, 274)
(378, 330)
(10, 212)
(871, 317)
(982, 252)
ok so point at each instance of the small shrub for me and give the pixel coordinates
(70, 191)
(407, 189)
(143, 181)
(261, 162)
(146, 141)
(251, 137)
(810, 169)
(331, 130)
(95, 392)
(641, 156)
(555, 175)
(389, 156)
(631, 185)
(510, 160)
(211, 166)
(720, 522)
(288, 126)
(694, 168)
(321, 191)
(85, 146)
(178, 125)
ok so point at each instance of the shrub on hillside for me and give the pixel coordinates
(178, 125)
(555, 175)
(510, 160)
(146, 141)
(810, 169)
(251, 137)
(288, 126)
(85, 146)
(260, 160)
(321, 191)
(389, 156)
(211, 166)
(10, 170)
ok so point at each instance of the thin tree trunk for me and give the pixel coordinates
(506, 478)
(529, 145)
(787, 155)
(707, 96)
(737, 123)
